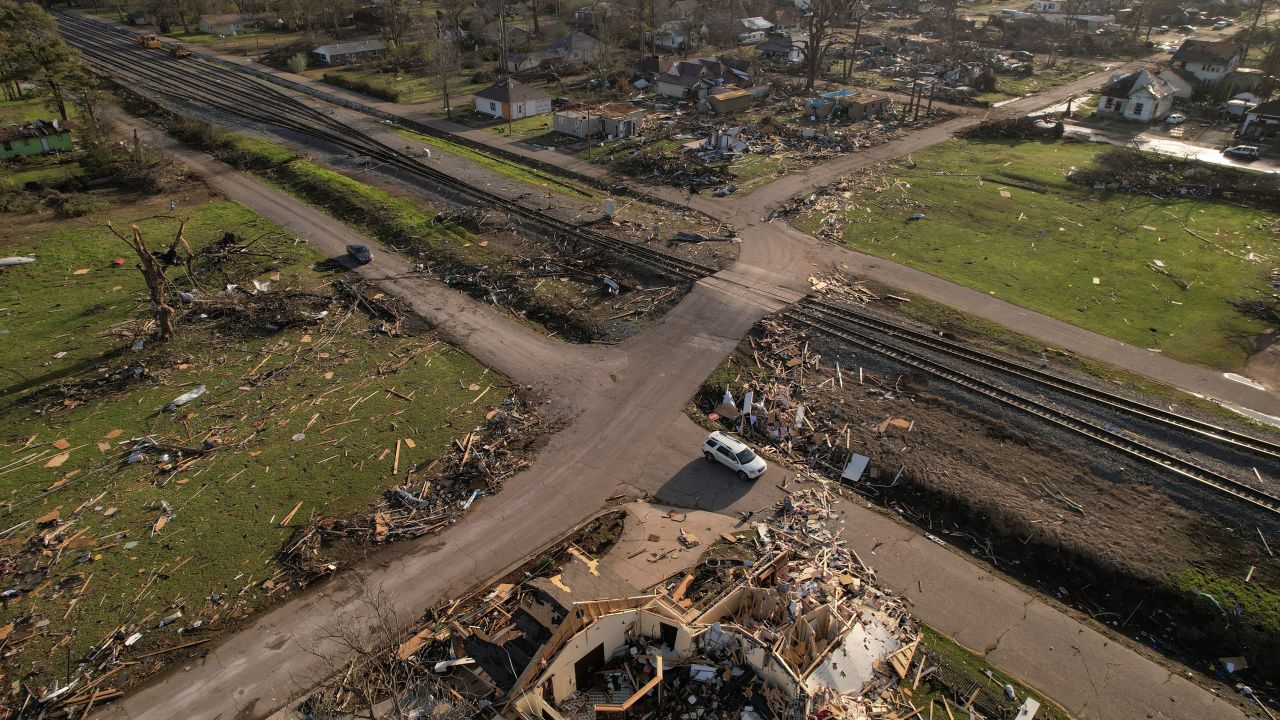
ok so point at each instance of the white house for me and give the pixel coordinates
(1208, 60)
(1142, 96)
(1049, 6)
(225, 24)
(1262, 121)
(512, 100)
(672, 35)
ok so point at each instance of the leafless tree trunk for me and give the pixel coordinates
(821, 20)
(153, 273)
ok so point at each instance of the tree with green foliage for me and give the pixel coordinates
(33, 50)
(298, 63)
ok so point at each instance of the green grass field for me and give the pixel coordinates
(513, 170)
(18, 112)
(305, 414)
(409, 89)
(1008, 86)
(1068, 251)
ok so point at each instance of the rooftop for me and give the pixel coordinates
(1207, 50)
(348, 48)
(511, 91)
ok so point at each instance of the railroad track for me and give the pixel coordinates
(208, 85)
(834, 323)
(1241, 441)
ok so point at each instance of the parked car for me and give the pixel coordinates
(360, 253)
(1022, 55)
(733, 454)
(1220, 26)
(1176, 119)
(1164, 28)
(1186, 29)
(1244, 152)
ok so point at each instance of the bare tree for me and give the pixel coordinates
(369, 675)
(1259, 11)
(154, 271)
(443, 59)
(821, 36)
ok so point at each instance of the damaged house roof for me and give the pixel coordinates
(1126, 86)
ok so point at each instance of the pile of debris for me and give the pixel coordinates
(1132, 171)
(427, 499)
(871, 192)
(1018, 128)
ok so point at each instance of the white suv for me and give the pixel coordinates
(733, 454)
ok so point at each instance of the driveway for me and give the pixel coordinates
(1157, 141)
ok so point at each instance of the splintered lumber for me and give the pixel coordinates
(682, 588)
(292, 512)
(175, 647)
(410, 647)
(901, 659)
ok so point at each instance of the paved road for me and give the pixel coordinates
(628, 434)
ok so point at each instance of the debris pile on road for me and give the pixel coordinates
(427, 499)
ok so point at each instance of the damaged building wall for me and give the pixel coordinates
(608, 633)
(604, 638)
(851, 664)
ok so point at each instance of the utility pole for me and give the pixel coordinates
(502, 28)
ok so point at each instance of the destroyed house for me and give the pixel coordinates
(1208, 61)
(847, 104)
(793, 639)
(1262, 121)
(611, 121)
(730, 101)
(35, 138)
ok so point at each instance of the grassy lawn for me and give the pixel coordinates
(407, 88)
(18, 112)
(1068, 251)
(1008, 87)
(528, 127)
(974, 668)
(513, 170)
(49, 170)
(301, 417)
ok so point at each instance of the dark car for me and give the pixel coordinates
(360, 253)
